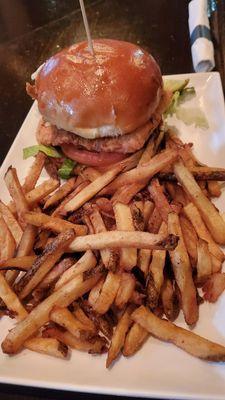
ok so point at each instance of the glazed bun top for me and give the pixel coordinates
(109, 94)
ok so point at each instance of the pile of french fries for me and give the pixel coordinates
(107, 259)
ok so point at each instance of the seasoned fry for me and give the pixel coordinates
(11, 222)
(16, 192)
(34, 172)
(186, 340)
(194, 216)
(11, 300)
(79, 187)
(137, 208)
(82, 317)
(143, 260)
(124, 222)
(120, 239)
(135, 338)
(24, 262)
(61, 193)
(87, 261)
(7, 242)
(44, 263)
(91, 190)
(72, 290)
(154, 221)
(214, 287)
(40, 192)
(190, 238)
(200, 173)
(210, 215)
(183, 273)
(108, 293)
(126, 289)
(63, 317)
(160, 200)
(170, 300)
(95, 292)
(204, 263)
(118, 338)
(49, 346)
(55, 273)
(55, 224)
(95, 345)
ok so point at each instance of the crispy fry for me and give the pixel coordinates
(87, 261)
(120, 239)
(72, 290)
(82, 317)
(143, 260)
(125, 291)
(79, 187)
(55, 224)
(124, 221)
(160, 200)
(56, 272)
(214, 188)
(95, 345)
(7, 242)
(40, 192)
(200, 173)
(61, 193)
(24, 262)
(11, 300)
(170, 300)
(95, 292)
(91, 190)
(147, 212)
(108, 293)
(135, 338)
(214, 287)
(44, 263)
(90, 174)
(154, 221)
(125, 193)
(204, 264)
(126, 164)
(34, 172)
(210, 215)
(49, 346)
(16, 192)
(186, 340)
(11, 222)
(119, 335)
(190, 238)
(195, 218)
(183, 273)
(137, 208)
(63, 317)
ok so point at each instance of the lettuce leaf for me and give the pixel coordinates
(66, 168)
(34, 150)
(174, 85)
(191, 116)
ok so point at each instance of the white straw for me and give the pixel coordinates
(87, 29)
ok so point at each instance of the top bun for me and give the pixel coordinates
(110, 94)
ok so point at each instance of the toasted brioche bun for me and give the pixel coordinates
(108, 95)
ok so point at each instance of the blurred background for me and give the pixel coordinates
(33, 30)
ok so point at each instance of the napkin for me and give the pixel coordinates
(201, 43)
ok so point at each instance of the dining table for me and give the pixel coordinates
(33, 30)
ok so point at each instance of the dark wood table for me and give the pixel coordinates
(33, 30)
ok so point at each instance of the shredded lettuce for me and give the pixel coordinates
(34, 150)
(66, 169)
(174, 85)
(191, 116)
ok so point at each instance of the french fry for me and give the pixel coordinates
(55, 273)
(125, 291)
(23, 262)
(102, 323)
(11, 300)
(44, 263)
(95, 345)
(95, 292)
(61, 193)
(7, 242)
(190, 238)
(135, 338)
(11, 222)
(106, 254)
(186, 340)
(200, 173)
(159, 198)
(156, 269)
(49, 346)
(118, 338)
(91, 190)
(87, 261)
(72, 290)
(82, 317)
(137, 208)
(143, 260)
(195, 218)
(126, 164)
(216, 264)
(154, 221)
(108, 293)
(124, 222)
(182, 271)
(120, 239)
(16, 192)
(63, 317)
(214, 188)
(204, 263)
(170, 300)
(214, 287)
(82, 185)
(34, 172)
(90, 174)
(55, 224)
(210, 215)
(147, 211)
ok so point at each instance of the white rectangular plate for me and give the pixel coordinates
(158, 369)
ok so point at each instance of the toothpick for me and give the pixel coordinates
(87, 29)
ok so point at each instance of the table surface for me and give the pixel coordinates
(31, 31)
